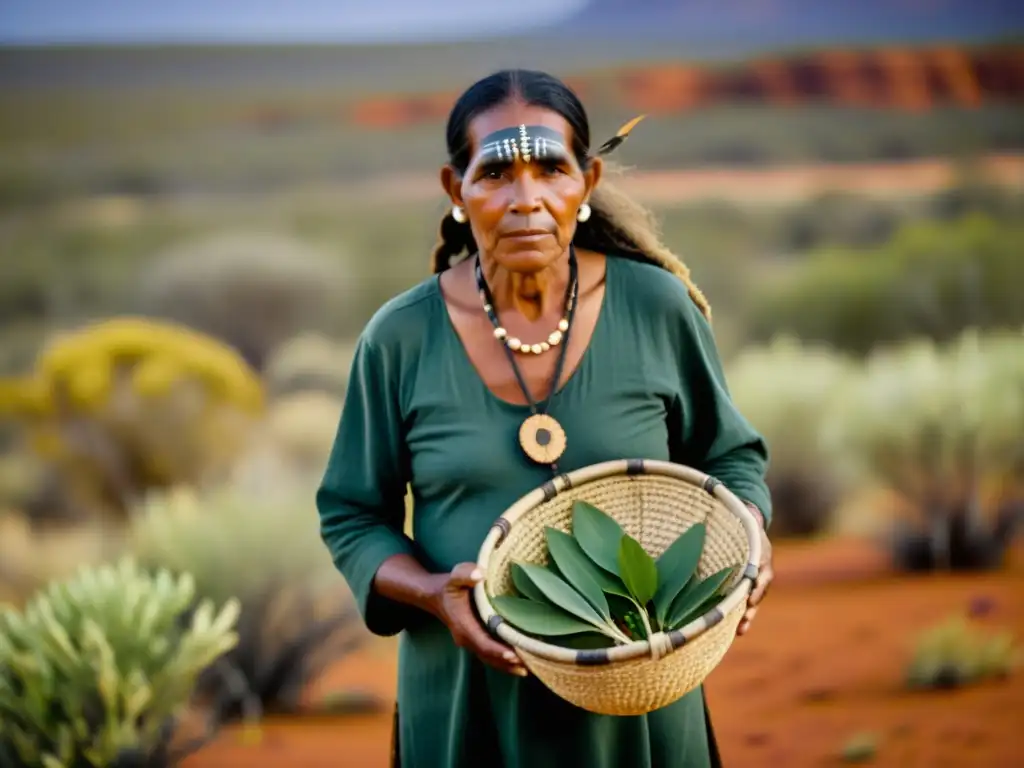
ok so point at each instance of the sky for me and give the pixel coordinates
(42, 22)
(90, 21)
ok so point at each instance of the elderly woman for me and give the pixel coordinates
(557, 332)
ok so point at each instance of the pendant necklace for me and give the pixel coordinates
(540, 435)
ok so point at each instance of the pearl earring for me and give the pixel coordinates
(584, 213)
(459, 214)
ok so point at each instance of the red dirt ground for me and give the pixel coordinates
(822, 664)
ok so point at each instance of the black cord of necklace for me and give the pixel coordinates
(571, 299)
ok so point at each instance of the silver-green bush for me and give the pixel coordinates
(100, 666)
(265, 550)
(788, 391)
(943, 425)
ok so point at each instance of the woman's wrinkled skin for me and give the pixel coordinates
(539, 196)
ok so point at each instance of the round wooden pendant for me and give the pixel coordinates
(542, 438)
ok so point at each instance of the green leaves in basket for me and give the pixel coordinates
(676, 568)
(579, 570)
(524, 586)
(542, 586)
(634, 625)
(698, 596)
(588, 641)
(620, 606)
(638, 570)
(600, 587)
(598, 535)
(560, 594)
(538, 618)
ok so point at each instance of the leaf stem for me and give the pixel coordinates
(617, 634)
(608, 629)
(645, 619)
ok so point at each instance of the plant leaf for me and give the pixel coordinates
(524, 586)
(598, 535)
(694, 594)
(537, 618)
(578, 569)
(562, 594)
(620, 606)
(634, 625)
(587, 641)
(638, 569)
(700, 610)
(676, 566)
(610, 584)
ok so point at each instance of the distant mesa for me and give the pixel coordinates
(908, 79)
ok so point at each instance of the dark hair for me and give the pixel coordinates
(618, 226)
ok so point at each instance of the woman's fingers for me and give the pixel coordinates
(761, 584)
(746, 621)
(465, 575)
(466, 628)
(472, 635)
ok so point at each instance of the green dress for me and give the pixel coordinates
(650, 385)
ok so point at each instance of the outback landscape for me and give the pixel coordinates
(777, 697)
(194, 238)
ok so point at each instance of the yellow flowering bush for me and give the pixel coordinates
(128, 404)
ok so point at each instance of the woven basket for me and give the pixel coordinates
(655, 502)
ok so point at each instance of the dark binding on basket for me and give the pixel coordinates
(713, 617)
(710, 484)
(750, 571)
(503, 525)
(635, 467)
(592, 658)
(550, 490)
(677, 638)
(494, 622)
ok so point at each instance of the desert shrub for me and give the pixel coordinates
(253, 291)
(22, 474)
(75, 260)
(296, 617)
(292, 445)
(835, 217)
(956, 653)
(97, 670)
(943, 426)
(788, 392)
(860, 748)
(30, 557)
(310, 361)
(931, 279)
(20, 342)
(973, 193)
(125, 405)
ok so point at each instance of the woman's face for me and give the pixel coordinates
(523, 186)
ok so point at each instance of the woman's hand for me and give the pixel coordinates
(452, 604)
(764, 578)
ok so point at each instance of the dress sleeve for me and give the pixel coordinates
(709, 432)
(361, 499)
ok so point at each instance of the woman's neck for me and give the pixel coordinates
(532, 294)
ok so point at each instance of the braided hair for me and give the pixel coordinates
(618, 225)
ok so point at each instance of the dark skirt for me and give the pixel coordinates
(396, 747)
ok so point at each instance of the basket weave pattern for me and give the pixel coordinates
(655, 509)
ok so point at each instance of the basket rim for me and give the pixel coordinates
(660, 644)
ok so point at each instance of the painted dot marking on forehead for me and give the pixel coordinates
(525, 143)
